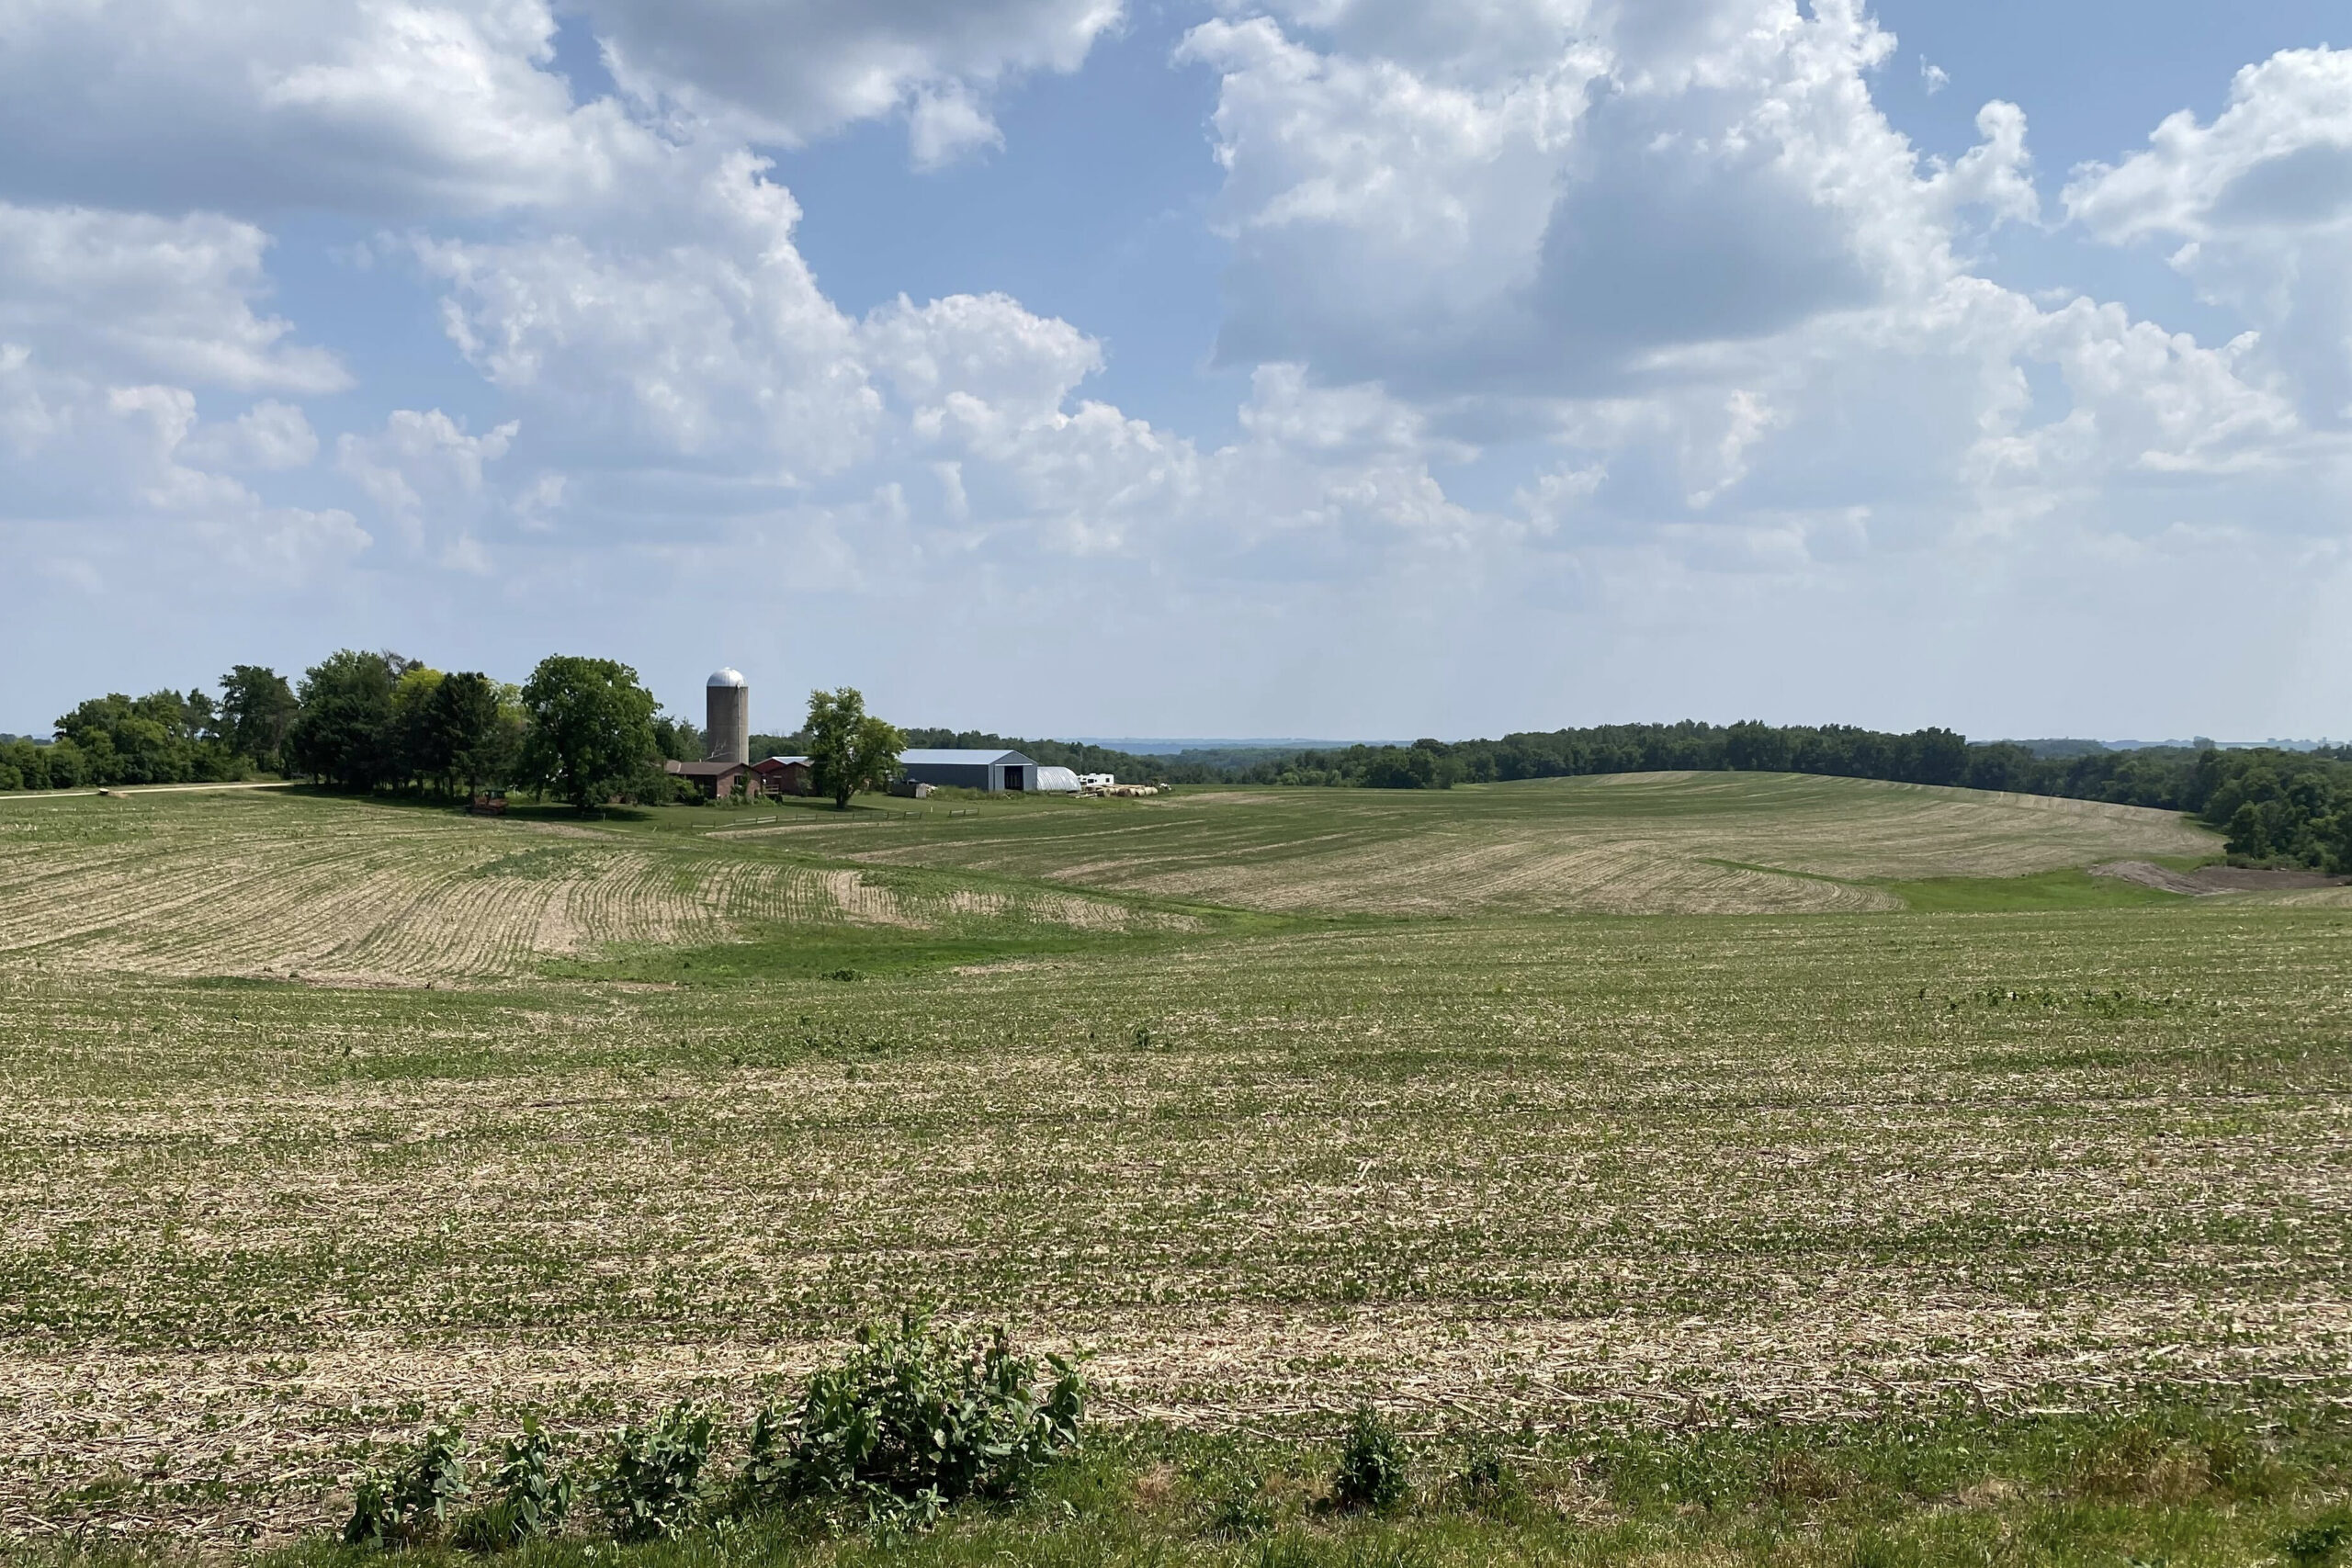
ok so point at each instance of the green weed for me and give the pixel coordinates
(1375, 1469)
(918, 1417)
(415, 1501)
(653, 1488)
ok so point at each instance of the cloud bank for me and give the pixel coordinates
(1601, 361)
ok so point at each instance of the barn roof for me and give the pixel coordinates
(956, 757)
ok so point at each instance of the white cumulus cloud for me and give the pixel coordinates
(795, 70)
(2257, 206)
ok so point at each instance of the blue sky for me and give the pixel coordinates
(1311, 367)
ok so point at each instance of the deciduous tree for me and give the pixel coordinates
(849, 748)
(344, 734)
(591, 730)
(257, 708)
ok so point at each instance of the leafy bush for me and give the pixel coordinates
(2318, 1544)
(529, 1497)
(654, 1489)
(1373, 1463)
(917, 1418)
(414, 1500)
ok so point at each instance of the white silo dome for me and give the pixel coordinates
(727, 678)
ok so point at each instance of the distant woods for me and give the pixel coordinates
(585, 730)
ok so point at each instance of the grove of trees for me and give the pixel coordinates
(584, 731)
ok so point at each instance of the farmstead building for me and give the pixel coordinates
(783, 775)
(995, 772)
(718, 778)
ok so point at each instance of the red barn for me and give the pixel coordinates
(782, 775)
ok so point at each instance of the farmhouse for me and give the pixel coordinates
(996, 771)
(716, 777)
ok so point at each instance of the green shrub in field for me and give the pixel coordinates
(413, 1500)
(1373, 1463)
(915, 1419)
(654, 1488)
(530, 1498)
(2320, 1543)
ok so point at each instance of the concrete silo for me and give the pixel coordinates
(727, 734)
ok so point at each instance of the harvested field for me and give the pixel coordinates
(1490, 1169)
(2210, 880)
(267, 884)
(1646, 843)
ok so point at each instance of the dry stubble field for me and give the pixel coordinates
(1627, 844)
(1487, 1168)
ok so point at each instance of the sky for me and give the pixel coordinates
(1231, 367)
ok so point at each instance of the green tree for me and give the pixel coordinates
(257, 708)
(418, 753)
(849, 748)
(469, 737)
(345, 733)
(678, 739)
(163, 738)
(69, 767)
(591, 731)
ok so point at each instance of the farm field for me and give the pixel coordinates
(264, 883)
(1635, 843)
(1266, 1153)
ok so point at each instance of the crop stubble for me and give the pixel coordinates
(260, 885)
(1564, 1170)
(1649, 843)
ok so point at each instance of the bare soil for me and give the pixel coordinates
(2208, 880)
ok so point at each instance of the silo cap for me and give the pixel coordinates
(727, 678)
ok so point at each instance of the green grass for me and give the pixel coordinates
(2162, 1484)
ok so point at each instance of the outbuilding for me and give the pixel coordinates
(1057, 781)
(995, 772)
(783, 775)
